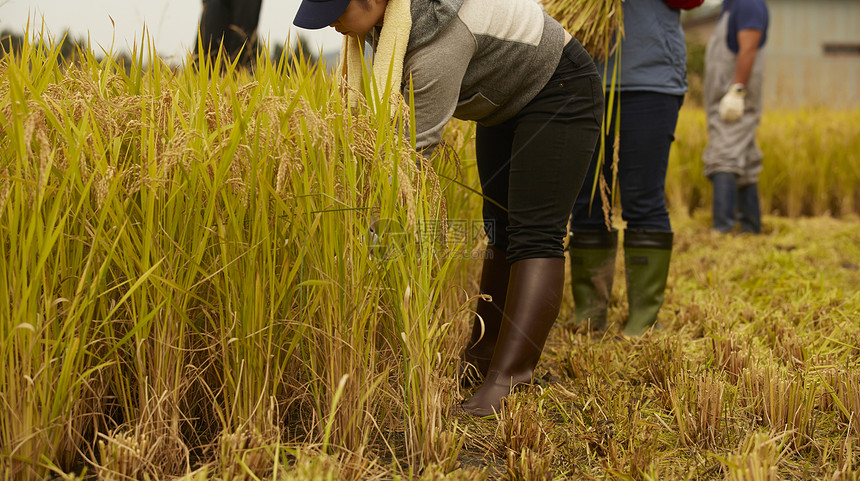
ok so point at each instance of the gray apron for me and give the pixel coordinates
(732, 146)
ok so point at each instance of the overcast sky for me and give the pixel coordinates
(172, 24)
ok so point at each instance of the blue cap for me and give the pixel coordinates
(316, 14)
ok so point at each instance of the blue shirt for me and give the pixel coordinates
(745, 15)
(653, 51)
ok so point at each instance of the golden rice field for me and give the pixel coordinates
(811, 163)
(190, 289)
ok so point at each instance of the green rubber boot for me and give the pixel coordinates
(592, 271)
(646, 258)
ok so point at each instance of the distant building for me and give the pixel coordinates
(813, 52)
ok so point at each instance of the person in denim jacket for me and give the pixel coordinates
(650, 88)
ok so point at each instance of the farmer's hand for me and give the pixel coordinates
(732, 104)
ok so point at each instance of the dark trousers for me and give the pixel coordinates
(648, 122)
(231, 24)
(532, 166)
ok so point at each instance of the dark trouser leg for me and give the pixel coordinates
(648, 122)
(592, 248)
(647, 130)
(553, 140)
(748, 206)
(725, 192)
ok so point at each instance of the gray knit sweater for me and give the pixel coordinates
(481, 60)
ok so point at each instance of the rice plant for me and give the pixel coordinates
(211, 274)
(189, 270)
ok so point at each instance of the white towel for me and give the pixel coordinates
(390, 52)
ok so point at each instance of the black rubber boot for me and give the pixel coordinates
(592, 271)
(646, 259)
(488, 318)
(534, 297)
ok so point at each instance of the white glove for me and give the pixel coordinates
(732, 103)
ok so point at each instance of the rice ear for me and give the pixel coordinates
(595, 23)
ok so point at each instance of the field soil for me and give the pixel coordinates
(753, 375)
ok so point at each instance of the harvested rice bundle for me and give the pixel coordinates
(595, 23)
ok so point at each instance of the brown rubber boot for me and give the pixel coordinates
(488, 318)
(534, 297)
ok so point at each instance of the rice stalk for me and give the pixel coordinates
(781, 401)
(731, 356)
(758, 458)
(841, 393)
(246, 455)
(203, 237)
(698, 404)
(528, 465)
(662, 362)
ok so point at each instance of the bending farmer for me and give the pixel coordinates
(535, 94)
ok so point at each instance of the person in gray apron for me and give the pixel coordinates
(734, 76)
